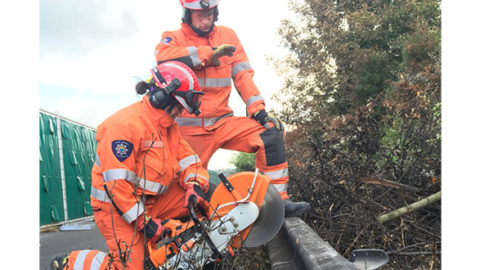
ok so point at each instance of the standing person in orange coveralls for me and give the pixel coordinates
(144, 172)
(201, 45)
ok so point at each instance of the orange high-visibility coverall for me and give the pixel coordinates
(140, 152)
(216, 127)
(87, 259)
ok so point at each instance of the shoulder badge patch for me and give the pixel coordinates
(166, 40)
(122, 149)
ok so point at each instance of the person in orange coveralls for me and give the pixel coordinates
(201, 45)
(144, 173)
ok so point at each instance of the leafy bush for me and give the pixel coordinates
(244, 161)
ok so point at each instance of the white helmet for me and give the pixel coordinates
(198, 4)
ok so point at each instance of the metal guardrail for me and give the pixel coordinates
(297, 246)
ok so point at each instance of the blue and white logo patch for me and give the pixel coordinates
(122, 149)
(166, 40)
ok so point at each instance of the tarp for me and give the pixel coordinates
(51, 201)
(78, 158)
(78, 146)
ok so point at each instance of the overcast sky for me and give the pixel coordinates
(92, 52)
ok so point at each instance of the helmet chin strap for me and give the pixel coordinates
(187, 18)
(170, 109)
(201, 33)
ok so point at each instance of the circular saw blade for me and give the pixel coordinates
(269, 221)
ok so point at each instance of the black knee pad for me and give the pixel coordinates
(274, 146)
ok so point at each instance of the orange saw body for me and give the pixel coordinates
(245, 210)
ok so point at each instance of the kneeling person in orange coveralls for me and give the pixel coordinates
(144, 172)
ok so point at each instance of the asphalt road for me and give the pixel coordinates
(56, 243)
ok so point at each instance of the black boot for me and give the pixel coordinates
(293, 209)
(58, 262)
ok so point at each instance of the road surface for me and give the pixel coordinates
(55, 243)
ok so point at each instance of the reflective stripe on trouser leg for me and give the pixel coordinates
(87, 259)
(100, 259)
(279, 179)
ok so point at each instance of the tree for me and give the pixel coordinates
(362, 92)
(344, 53)
(244, 161)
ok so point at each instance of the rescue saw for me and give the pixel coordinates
(245, 211)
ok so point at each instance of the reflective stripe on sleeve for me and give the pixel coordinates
(194, 56)
(97, 161)
(133, 212)
(190, 160)
(117, 174)
(277, 174)
(215, 82)
(239, 67)
(98, 194)
(253, 99)
(193, 175)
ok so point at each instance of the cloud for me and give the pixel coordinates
(76, 27)
(100, 46)
(106, 70)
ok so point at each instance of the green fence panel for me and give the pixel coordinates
(51, 199)
(79, 148)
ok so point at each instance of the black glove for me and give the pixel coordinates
(152, 228)
(263, 118)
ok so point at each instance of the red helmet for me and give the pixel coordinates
(198, 4)
(178, 80)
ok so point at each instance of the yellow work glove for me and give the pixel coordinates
(263, 118)
(222, 50)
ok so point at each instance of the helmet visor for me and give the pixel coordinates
(190, 100)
